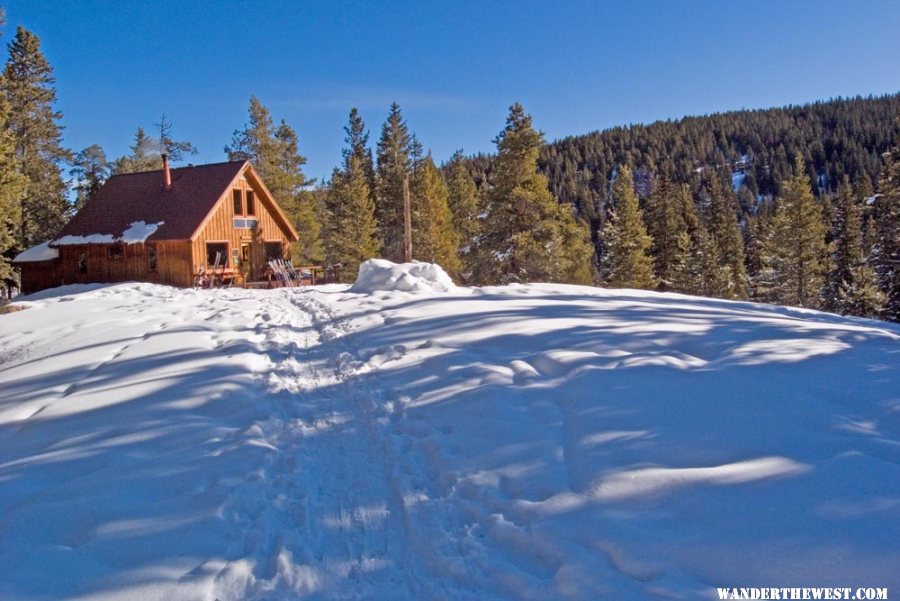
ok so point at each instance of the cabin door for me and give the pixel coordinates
(248, 268)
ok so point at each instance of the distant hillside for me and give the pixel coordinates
(836, 137)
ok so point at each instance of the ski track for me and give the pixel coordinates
(345, 492)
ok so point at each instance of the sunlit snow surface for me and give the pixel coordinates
(519, 442)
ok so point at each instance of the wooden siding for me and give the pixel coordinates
(173, 265)
(220, 228)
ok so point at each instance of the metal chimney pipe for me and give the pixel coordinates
(167, 175)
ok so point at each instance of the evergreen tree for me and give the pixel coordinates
(28, 87)
(274, 152)
(306, 212)
(528, 236)
(393, 166)
(851, 288)
(886, 254)
(12, 187)
(464, 203)
(798, 253)
(146, 152)
(358, 145)
(145, 155)
(665, 224)
(434, 238)
(626, 261)
(90, 169)
(351, 231)
(755, 236)
(727, 241)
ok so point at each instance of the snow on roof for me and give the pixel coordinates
(41, 252)
(136, 233)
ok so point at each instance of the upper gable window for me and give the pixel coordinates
(251, 203)
(238, 199)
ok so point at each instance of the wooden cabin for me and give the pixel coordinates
(165, 227)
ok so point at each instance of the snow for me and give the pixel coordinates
(737, 180)
(520, 442)
(137, 232)
(41, 252)
(379, 275)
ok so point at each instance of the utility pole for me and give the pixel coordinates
(407, 221)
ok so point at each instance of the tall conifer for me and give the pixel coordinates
(886, 253)
(528, 235)
(33, 122)
(435, 240)
(626, 261)
(350, 232)
(727, 240)
(851, 287)
(464, 202)
(798, 253)
(274, 152)
(393, 165)
(12, 186)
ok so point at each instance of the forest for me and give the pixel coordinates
(797, 205)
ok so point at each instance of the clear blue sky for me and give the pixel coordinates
(454, 67)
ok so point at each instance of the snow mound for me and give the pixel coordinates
(380, 275)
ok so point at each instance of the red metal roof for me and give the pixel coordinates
(127, 198)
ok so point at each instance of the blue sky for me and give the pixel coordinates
(454, 67)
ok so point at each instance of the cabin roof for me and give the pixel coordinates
(37, 254)
(131, 198)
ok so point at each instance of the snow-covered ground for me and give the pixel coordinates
(519, 442)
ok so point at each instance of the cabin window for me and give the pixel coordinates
(114, 252)
(214, 250)
(238, 200)
(273, 251)
(152, 259)
(82, 263)
(251, 203)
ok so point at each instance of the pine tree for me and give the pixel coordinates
(727, 240)
(886, 254)
(393, 166)
(358, 145)
(626, 262)
(90, 169)
(146, 152)
(351, 230)
(306, 212)
(464, 203)
(434, 238)
(665, 224)
(274, 152)
(852, 288)
(528, 236)
(799, 255)
(145, 155)
(12, 187)
(28, 89)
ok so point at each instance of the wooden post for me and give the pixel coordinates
(407, 221)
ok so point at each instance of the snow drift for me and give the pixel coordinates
(520, 442)
(379, 275)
